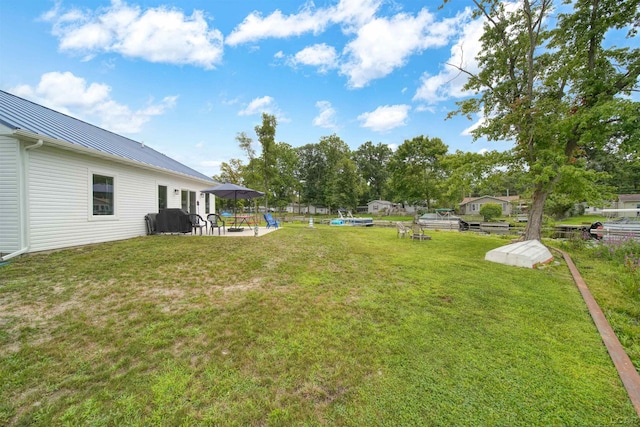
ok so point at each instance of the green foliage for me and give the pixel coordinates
(266, 133)
(491, 211)
(556, 92)
(416, 170)
(372, 162)
(233, 172)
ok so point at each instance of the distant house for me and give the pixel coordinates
(294, 208)
(472, 205)
(377, 206)
(65, 182)
(629, 201)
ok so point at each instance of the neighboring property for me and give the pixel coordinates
(628, 201)
(472, 205)
(64, 182)
(295, 208)
(377, 206)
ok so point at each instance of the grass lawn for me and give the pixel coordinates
(325, 326)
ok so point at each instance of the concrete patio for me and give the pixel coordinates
(246, 232)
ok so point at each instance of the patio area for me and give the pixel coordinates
(246, 232)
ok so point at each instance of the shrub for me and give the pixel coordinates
(491, 211)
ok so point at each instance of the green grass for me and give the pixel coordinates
(582, 220)
(612, 271)
(323, 326)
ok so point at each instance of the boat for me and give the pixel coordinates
(347, 219)
(621, 226)
(442, 219)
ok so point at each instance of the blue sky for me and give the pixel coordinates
(187, 76)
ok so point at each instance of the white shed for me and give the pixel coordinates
(64, 182)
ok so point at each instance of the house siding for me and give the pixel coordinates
(473, 206)
(60, 199)
(376, 206)
(10, 217)
(630, 204)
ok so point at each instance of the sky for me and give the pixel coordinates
(185, 77)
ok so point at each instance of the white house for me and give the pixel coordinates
(64, 182)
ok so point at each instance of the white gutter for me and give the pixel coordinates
(25, 227)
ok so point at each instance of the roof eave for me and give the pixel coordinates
(65, 145)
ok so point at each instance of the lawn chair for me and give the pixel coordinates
(197, 223)
(403, 231)
(417, 233)
(270, 221)
(215, 221)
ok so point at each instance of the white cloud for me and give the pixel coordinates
(72, 95)
(319, 55)
(378, 45)
(450, 81)
(265, 104)
(385, 118)
(425, 108)
(256, 27)
(327, 116)
(348, 13)
(159, 34)
(384, 44)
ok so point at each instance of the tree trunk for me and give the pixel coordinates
(536, 213)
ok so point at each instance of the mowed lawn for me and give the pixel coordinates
(324, 326)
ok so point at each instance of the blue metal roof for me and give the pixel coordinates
(18, 113)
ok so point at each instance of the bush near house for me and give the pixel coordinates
(491, 211)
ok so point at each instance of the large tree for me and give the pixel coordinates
(231, 172)
(266, 133)
(345, 185)
(372, 161)
(285, 184)
(251, 175)
(416, 170)
(311, 171)
(555, 92)
(333, 151)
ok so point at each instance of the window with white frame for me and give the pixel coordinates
(103, 195)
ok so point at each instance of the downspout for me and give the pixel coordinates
(23, 191)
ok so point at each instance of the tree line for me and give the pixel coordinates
(420, 172)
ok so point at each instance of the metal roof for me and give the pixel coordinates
(19, 113)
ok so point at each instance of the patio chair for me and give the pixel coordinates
(417, 233)
(270, 221)
(216, 221)
(197, 223)
(403, 231)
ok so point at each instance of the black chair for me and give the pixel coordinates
(216, 222)
(197, 222)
